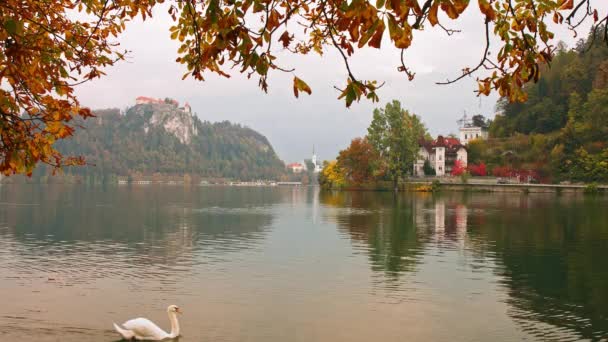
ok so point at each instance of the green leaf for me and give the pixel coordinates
(351, 94)
(261, 66)
(11, 26)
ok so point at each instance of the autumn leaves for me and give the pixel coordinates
(46, 50)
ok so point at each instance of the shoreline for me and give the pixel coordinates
(524, 188)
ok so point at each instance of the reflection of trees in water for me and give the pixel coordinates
(549, 250)
(382, 224)
(550, 253)
(553, 252)
(68, 227)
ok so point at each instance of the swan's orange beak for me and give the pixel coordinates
(179, 311)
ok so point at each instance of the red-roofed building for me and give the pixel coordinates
(296, 167)
(151, 100)
(148, 100)
(441, 153)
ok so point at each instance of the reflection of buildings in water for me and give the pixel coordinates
(297, 194)
(306, 196)
(439, 216)
(460, 216)
(449, 219)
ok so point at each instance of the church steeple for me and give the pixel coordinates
(317, 165)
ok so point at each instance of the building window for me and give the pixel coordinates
(465, 137)
(476, 135)
(439, 158)
(440, 168)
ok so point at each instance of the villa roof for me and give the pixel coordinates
(450, 144)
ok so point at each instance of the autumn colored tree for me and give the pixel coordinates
(332, 176)
(478, 169)
(47, 48)
(458, 168)
(359, 160)
(503, 171)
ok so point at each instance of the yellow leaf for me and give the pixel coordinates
(299, 85)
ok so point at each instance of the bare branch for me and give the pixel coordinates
(337, 46)
(403, 68)
(448, 31)
(481, 63)
(576, 9)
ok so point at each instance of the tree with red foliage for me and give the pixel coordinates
(502, 171)
(358, 160)
(458, 168)
(478, 170)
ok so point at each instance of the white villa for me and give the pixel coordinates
(441, 153)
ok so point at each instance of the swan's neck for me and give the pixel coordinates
(174, 325)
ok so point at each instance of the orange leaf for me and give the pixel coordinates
(433, 14)
(413, 4)
(487, 10)
(567, 5)
(273, 20)
(449, 9)
(377, 38)
(286, 39)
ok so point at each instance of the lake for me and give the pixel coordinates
(281, 264)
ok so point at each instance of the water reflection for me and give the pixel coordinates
(546, 250)
(70, 235)
(553, 265)
(381, 225)
(276, 264)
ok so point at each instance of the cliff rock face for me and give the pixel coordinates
(151, 138)
(174, 120)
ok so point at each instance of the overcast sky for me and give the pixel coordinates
(292, 125)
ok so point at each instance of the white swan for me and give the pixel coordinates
(144, 329)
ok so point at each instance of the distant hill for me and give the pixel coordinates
(159, 138)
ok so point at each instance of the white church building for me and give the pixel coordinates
(468, 133)
(317, 163)
(468, 130)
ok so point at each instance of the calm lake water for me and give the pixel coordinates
(297, 264)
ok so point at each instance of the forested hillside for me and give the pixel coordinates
(162, 139)
(561, 132)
